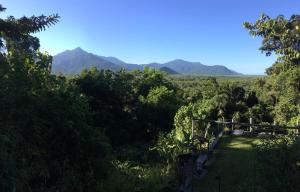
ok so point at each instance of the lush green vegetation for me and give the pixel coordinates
(123, 131)
(273, 164)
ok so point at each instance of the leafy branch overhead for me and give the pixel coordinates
(21, 28)
(280, 36)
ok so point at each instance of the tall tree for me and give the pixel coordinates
(282, 37)
(46, 141)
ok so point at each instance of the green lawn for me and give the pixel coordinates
(234, 162)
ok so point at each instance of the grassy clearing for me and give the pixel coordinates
(235, 161)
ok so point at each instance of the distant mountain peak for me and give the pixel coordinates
(78, 50)
(178, 60)
(182, 62)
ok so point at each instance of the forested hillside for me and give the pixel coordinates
(113, 131)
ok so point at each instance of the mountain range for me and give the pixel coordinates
(74, 61)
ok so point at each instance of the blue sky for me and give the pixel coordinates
(144, 31)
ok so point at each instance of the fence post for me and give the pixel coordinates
(192, 129)
(297, 130)
(274, 127)
(222, 124)
(208, 143)
(206, 130)
(250, 121)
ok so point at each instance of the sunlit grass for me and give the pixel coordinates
(235, 159)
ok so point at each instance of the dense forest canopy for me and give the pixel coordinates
(123, 131)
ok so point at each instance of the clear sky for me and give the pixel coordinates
(144, 31)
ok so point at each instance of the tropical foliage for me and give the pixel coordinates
(123, 131)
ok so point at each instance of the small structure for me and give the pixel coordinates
(200, 162)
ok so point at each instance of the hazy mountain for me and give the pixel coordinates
(194, 68)
(169, 71)
(74, 61)
(113, 60)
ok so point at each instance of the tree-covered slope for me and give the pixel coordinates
(169, 71)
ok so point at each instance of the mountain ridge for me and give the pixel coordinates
(75, 60)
